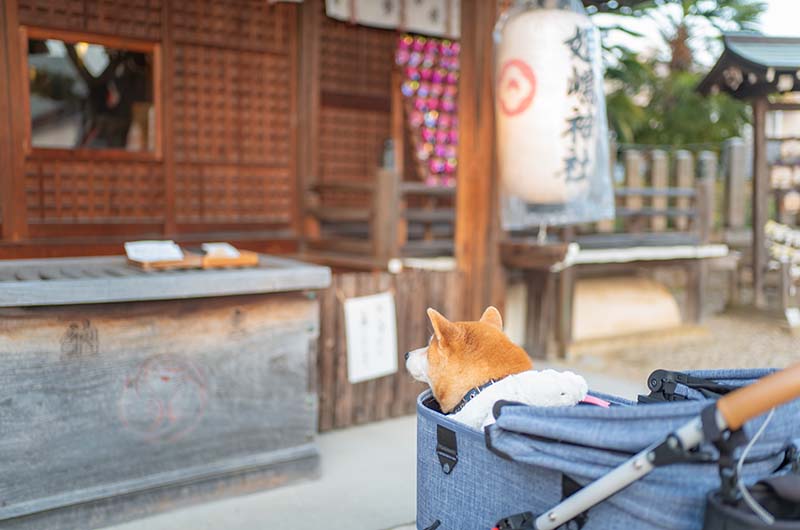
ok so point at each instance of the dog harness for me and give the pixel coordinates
(469, 396)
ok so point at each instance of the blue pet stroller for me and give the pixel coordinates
(633, 466)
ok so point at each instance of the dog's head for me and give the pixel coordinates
(464, 355)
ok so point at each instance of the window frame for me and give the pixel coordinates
(84, 153)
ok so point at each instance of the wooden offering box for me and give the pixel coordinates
(125, 392)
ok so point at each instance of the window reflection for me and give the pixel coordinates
(89, 96)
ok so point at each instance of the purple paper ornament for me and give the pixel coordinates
(431, 117)
(436, 165)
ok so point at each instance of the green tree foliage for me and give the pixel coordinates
(653, 100)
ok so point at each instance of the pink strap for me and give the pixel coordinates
(592, 400)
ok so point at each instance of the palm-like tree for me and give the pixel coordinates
(682, 23)
(653, 100)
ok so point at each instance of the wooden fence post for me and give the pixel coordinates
(684, 178)
(707, 171)
(705, 207)
(659, 174)
(385, 215)
(734, 168)
(607, 225)
(633, 179)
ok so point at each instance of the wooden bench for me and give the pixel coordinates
(366, 225)
(660, 222)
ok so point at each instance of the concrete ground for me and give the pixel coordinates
(735, 339)
(368, 482)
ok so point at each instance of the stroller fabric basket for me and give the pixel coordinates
(533, 457)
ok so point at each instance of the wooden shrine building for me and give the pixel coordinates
(757, 68)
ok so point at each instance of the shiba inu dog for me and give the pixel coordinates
(472, 365)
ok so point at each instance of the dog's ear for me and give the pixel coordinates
(492, 317)
(442, 328)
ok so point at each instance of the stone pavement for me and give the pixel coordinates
(368, 482)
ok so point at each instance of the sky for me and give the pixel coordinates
(782, 18)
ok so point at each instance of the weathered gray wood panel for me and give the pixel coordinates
(113, 399)
(110, 279)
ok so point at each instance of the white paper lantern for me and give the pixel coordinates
(550, 113)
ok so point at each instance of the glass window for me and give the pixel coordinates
(89, 96)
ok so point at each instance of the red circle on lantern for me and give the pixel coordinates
(514, 71)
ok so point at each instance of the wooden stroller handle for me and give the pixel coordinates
(742, 405)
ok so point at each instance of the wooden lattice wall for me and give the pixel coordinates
(227, 90)
(355, 70)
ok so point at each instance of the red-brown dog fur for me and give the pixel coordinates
(464, 355)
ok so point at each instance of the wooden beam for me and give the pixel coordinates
(477, 222)
(167, 132)
(760, 199)
(12, 139)
(308, 105)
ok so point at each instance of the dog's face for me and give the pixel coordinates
(463, 355)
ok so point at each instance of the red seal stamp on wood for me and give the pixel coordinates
(165, 399)
(516, 87)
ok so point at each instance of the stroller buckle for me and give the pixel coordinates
(520, 521)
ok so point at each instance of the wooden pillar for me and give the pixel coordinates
(477, 221)
(760, 199)
(12, 126)
(308, 104)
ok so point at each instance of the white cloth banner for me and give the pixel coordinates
(436, 18)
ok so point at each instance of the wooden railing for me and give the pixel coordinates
(393, 219)
(662, 198)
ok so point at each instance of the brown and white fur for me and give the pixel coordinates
(464, 355)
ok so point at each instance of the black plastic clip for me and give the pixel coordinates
(793, 458)
(520, 521)
(671, 451)
(446, 448)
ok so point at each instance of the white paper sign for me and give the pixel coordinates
(152, 251)
(220, 250)
(371, 329)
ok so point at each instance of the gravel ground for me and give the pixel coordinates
(734, 340)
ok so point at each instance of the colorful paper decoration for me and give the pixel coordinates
(430, 91)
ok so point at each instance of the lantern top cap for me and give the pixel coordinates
(753, 65)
